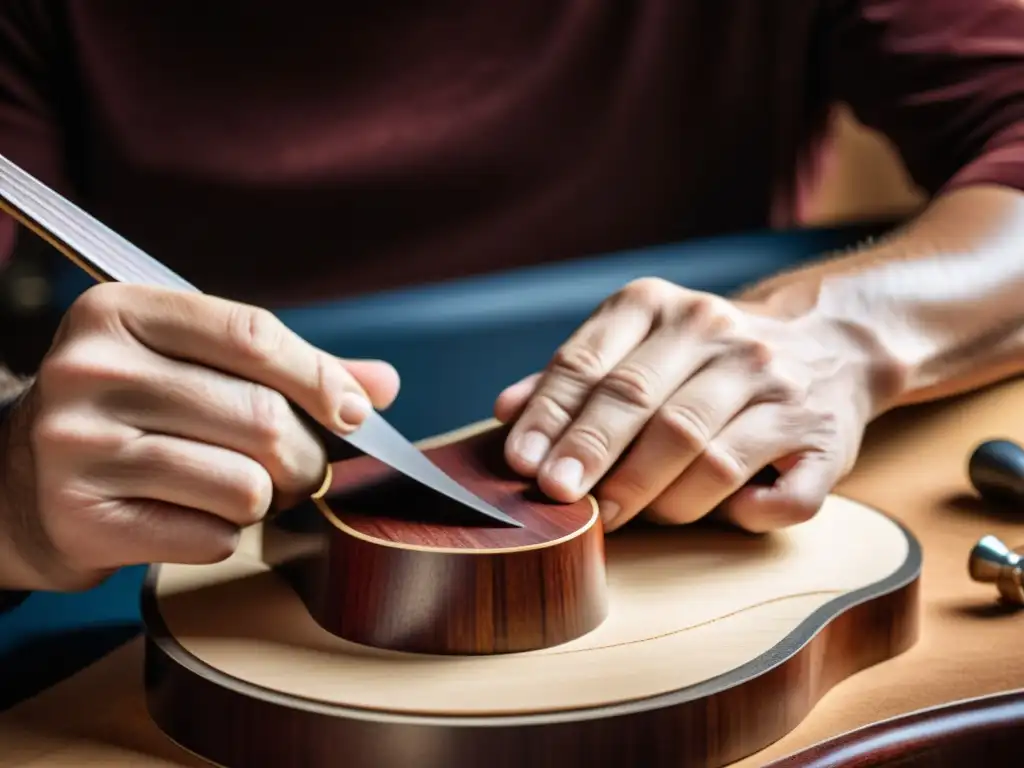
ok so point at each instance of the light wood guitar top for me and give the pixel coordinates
(913, 467)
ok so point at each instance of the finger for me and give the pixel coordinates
(188, 474)
(379, 380)
(575, 369)
(511, 402)
(203, 405)
(673, 438)
(144, 531)
(621, 405)
(757, 437)
(244, 341)
(796, 496)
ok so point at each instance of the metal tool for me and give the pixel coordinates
(108, 257)
(992, 562)
(996, 470)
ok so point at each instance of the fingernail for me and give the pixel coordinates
(568, 473)
(533, 447)
(354, 409)
(609, 511)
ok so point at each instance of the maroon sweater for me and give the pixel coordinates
(282, 151)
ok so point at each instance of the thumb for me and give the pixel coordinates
(795, 497)
(378, 379)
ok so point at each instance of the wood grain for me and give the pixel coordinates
(716, 644)
(913, 465)
(387, 562)
(981, 731)
(372, 500)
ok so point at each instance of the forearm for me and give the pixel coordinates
(939, 304)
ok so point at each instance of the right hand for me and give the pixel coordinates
(158, 426)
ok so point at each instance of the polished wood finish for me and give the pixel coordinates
(237, 674)
(982, 731)
(486, 592)
(913, 465)
(390, 563)
(372, 500)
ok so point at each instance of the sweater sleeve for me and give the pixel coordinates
(942, 79)
(35, 99)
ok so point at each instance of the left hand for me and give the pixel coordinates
(670, 400)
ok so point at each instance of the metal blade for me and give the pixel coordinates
(377, 438)
(108, 257)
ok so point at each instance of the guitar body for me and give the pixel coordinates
(690, 646)
(386, 562)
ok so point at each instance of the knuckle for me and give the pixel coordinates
(255, 332)
(705, 314)
(269, 415)
(590, 443)
(633, 384)
(82, 364)
(648, 291)
(97, 304)
(724, 467)
(579, 363)
(57, 432)
(67, 367)
(702, 309)
(755, 355)
(549, 413)
(684, 425)
(255, 491)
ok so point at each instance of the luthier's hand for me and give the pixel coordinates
(711, 391)
(157, 427)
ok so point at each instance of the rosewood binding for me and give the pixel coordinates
(715, 645)
(389, 563)
(982, 731)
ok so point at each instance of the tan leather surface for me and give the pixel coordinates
(913, 466)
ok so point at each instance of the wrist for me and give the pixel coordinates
(857, 336)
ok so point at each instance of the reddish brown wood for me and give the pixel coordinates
(408, 569)
(377, 501)
(984, 731)
(234, 723)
